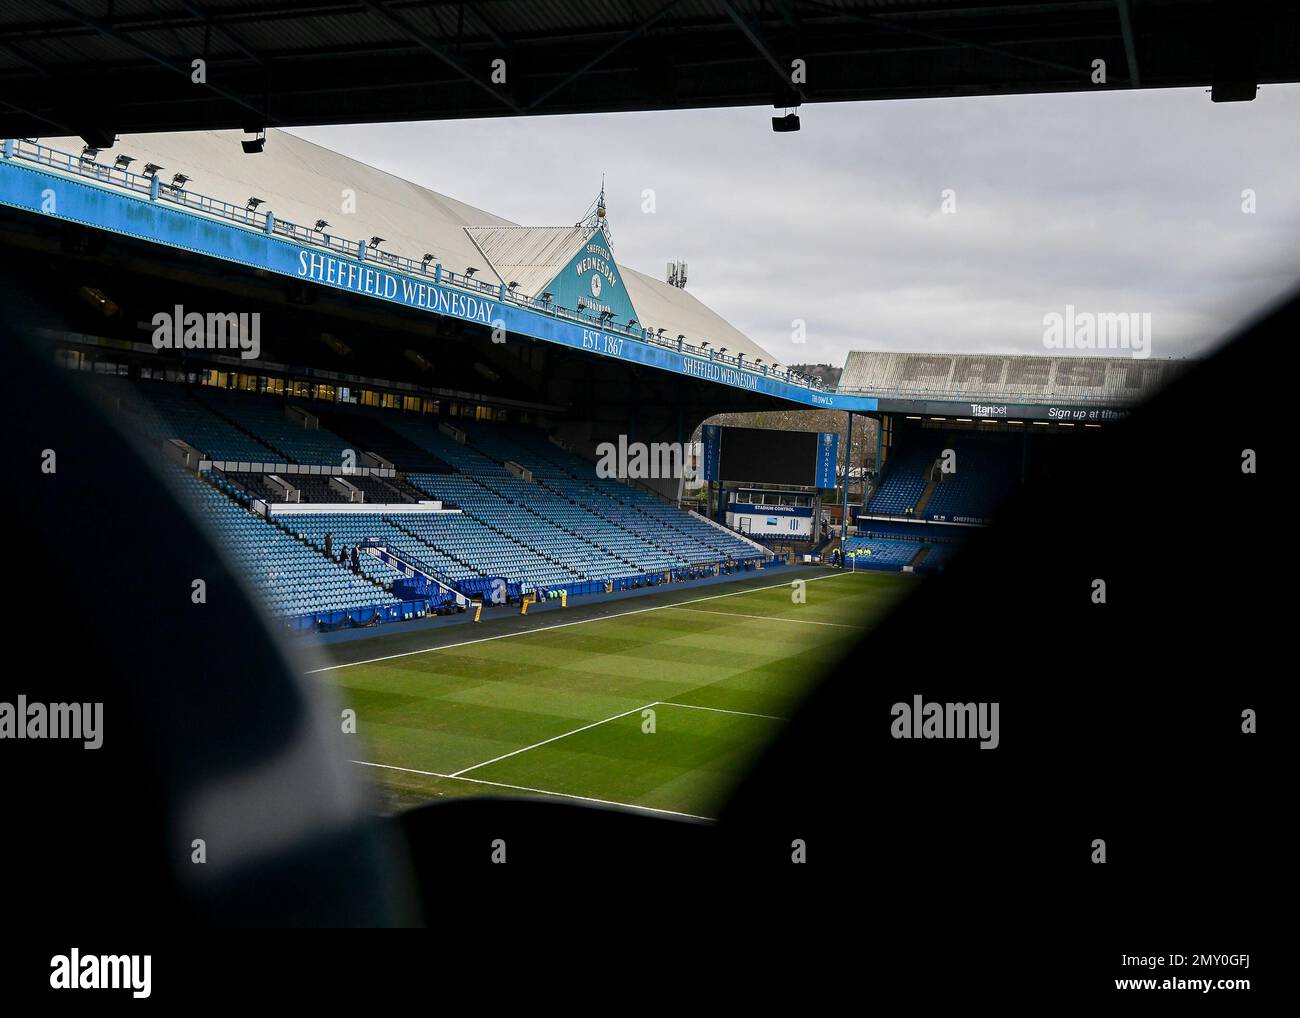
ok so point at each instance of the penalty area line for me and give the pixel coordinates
(537, 791)
(553, 738)
(717, 710)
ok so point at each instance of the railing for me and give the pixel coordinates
(266, 222)
(734, 533)
(400, 559)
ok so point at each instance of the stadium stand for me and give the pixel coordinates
(366, 433)
(271, 425)
(878, 553)
(987, 470)
(161, 411)
(881, 545)
(294, 579)
(318, 489)
(937, 556)
(502, 502)
(901, 486)
(567, 474)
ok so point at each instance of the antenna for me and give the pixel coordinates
(677, 274)
(595, 216)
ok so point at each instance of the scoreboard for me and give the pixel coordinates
(757, 455)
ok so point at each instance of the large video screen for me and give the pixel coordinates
(773, 457)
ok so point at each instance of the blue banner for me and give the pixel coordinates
(54, 196)
(828, 451)
(711, 439)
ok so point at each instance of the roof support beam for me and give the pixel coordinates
(757, 41)
(24, 59)
(488, 27)
(946, 39)
(64, 128)
(611, 48)
(1130, 46)
(403, 26)
(105, 29)
(212, 24)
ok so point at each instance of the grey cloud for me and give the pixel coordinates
(1112, 202)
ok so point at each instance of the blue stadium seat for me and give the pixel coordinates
(566, 527)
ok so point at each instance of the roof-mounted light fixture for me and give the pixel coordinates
(787, 123)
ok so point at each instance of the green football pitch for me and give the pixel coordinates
(658, 704)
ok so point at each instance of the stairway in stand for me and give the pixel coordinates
(925, 498)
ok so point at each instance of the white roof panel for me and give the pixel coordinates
(1016, 378)
(528, 255)
(302, 182)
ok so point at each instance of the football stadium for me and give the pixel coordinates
(702, 475)
(415, 436)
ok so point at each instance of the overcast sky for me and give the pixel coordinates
(1112, 202)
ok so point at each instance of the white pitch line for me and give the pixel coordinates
(719, 710)
(767, 618)
(596, 724)
(537, 791)
(553, 738)
(563, 625)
